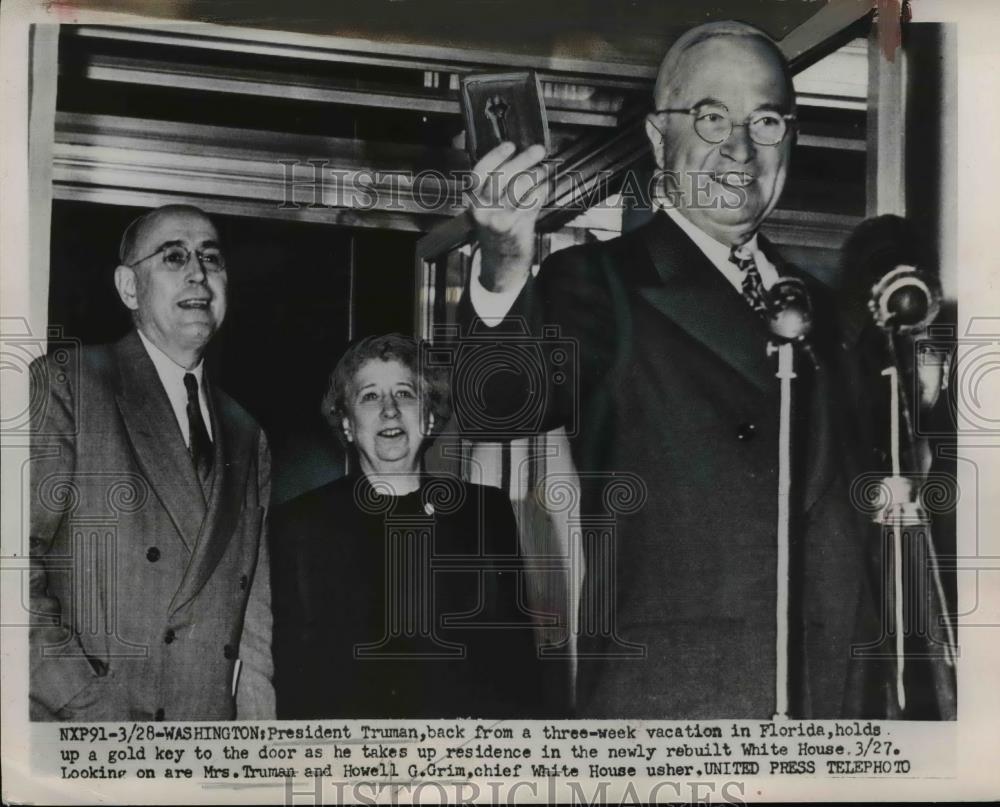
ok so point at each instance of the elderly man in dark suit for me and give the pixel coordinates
(674, 383)
(150, 583)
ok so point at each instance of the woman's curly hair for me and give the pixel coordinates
(432, 382)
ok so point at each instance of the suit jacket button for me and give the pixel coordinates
(152, 554)
(746, 431)
(243, 582)
(169, 636)
(228, 652)
(159, 714)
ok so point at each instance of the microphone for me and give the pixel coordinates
(790, 309)
(904, 300)
(881, 281)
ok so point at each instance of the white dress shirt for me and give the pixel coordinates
(718, 253)
(491, 307)
(172, 377)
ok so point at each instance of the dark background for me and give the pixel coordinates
(287, 323)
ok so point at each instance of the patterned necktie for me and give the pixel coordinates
(753, 286)
(201, 443)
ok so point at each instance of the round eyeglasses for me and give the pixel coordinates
(714, 125)
(176, 256)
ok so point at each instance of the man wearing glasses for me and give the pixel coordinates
(675, 385)
(150, 586)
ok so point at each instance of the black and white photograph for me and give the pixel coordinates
(491, 400)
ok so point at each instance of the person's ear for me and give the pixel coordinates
(430, 423)
(125, 283)
(346, 425)
(656, 137)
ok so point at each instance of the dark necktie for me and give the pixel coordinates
(753, 286)
(201, 444)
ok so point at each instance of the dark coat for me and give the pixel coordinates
(145, 591)
(672, 392)
(401, 607)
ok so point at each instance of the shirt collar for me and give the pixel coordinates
(169, 371)
(718, 253)
(715, 251)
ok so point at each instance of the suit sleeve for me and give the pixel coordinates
(59, 669)
(531, 371)
(255, 688)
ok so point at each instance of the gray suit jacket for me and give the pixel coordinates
(145, 589)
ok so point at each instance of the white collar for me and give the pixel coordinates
(171, 376)
(718, 253)
(166, 368)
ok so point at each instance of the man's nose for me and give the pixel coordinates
(738, 146)
(196, 272)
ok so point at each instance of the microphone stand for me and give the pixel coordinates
(790, 321)
(786, 372)
(905, 510)
(903, 301)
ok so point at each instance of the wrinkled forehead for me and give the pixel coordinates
(188, 227)
(744, 73)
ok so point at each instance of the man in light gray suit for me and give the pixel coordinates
(150, 589)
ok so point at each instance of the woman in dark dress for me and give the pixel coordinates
(396, 593)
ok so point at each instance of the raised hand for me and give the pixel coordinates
(504, 203)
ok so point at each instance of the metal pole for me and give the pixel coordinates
(785, 373)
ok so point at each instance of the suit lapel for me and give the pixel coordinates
(157, 439)
(231, 464)
(694, 295)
